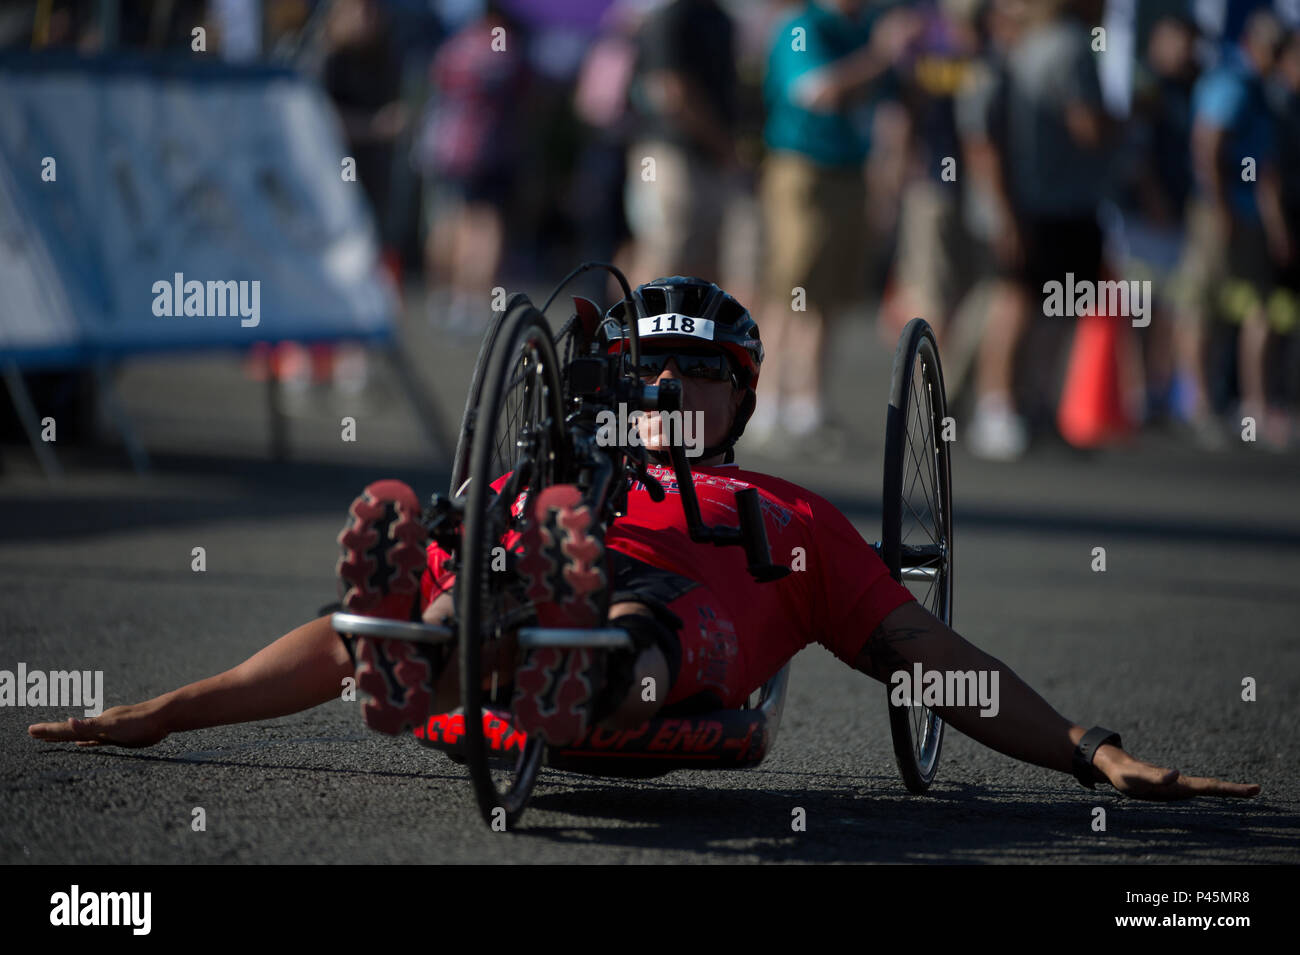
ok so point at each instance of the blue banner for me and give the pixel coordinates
(152, 204)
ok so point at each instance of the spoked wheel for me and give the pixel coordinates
(916, 530)
(567, 339)
(518, 431)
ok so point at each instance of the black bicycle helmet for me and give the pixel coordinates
(700, 313)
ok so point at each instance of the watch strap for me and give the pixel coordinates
(1086, 751)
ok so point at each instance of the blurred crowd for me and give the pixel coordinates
(830, 161)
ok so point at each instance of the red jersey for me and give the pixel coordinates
(839, 590)
(838, 593)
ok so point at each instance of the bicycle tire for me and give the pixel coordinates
(522, 353)
(917, 396)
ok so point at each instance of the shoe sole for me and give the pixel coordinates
(381, 563)
(564, 572)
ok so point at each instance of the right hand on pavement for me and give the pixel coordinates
(1142, 780)
(133, 725)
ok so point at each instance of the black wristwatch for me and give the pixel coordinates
(1092, 741)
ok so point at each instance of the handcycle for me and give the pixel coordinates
(529, 424)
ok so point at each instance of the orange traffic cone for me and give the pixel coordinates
(1092, 411)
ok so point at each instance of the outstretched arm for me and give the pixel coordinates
(302, 669)
(1025, 726)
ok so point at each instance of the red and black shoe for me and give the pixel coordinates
(381, 562)
(563, 569)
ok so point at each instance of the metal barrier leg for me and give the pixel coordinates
(279, 424)
(22, 400)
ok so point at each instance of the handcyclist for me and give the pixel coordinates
(701, 627)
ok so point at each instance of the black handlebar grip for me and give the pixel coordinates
(665, 396)
(754, 538)
(752, 531)
(669, 395)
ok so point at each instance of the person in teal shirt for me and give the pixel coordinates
(803, 56)
(828, 66)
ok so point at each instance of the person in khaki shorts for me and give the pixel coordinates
(812, 190)
(817, 230)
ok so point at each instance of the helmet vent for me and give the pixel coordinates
(656, 302)
(731, 312)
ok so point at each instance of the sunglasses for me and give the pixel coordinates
(711, 365)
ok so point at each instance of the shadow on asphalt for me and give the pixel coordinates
(957, 824)
(849, 818)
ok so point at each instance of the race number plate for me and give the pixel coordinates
(672, 323)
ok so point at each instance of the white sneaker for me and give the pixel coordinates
(997, 433)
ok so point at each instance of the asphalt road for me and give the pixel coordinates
(1203, 556)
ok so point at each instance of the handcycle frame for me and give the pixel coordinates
(673, 739)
